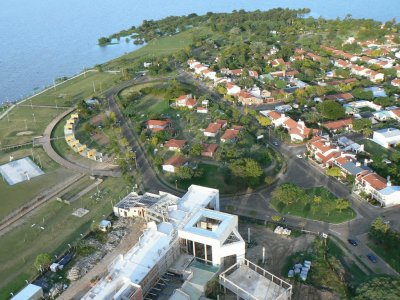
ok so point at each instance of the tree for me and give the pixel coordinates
(379, 229)
(196, 150)
(276, 218)
(382, 287)
(331, 110)
(42, 261)
(342, 204)
(184, 172)
(288, 193)
(334, 172)
(246, 168)
(361, 124)
(264, 121)
(317, 200)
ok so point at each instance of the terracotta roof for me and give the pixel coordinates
(342, 160)
(182, 97)
(176, 161)
(175, 143)
(375, 181)
(213, 128)
(191, 102)
(290, 123)
(230, 134)
(396, 111)
(200, 108)
(221, 122)
(210, 147)
(274, 115)
(396, 82)
(345, 96)
(333, 125)
(237, 71)
(158, 122)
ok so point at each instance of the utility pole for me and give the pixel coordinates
(94, 88)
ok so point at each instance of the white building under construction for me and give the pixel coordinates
(186, 237)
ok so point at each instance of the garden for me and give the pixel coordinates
(316, 203)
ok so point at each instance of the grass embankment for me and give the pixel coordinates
(60, 228)
(323, 211)
(157, 47)
(391, 255)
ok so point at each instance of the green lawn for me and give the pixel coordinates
(69, 92)
(61, 228)
(21, 127)
(213, 177)
(377, 150)
(157, 47)
(302, 208)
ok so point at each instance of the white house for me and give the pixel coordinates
(232, 89)
(388, 137)
(389, 196)
(174, 162)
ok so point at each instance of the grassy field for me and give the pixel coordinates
(17, 195)
(20, 127)
(157, 47)
(33, 120)
(69, 92)
(303, 207)
(61, 228)
(213, 177)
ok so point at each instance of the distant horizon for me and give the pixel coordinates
(39, 50)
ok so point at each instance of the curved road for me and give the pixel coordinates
(48, 148)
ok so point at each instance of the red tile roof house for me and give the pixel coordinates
(334, 126)
(230, 135)
(201, 110)
(223, 123)
(198, 68)
(158, 125)
(236, 72)
(340, 97)
(232, 89)
(395, 82)
(370, 183)
(209, 150)
(212, 130)
(395, 113)
(323, 151)
(174, 162)
(175, 145)
(253, 74)
(247, 99)
(298, 131)
(278, 62)
(186, 101)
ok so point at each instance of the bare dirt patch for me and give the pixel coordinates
(24, 133)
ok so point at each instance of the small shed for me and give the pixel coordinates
(104, 225)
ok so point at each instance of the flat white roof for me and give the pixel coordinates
(389, 132)
(29, 291)
(223, 229)
(153, 244)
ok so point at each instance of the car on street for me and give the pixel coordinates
(352, 242)
(372, 258)
(299, 156)
(275, 143)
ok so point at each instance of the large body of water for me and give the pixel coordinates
(45, 39)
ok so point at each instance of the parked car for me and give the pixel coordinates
(275, 143)
(299, 156)
(353, 242)
(372, 258)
